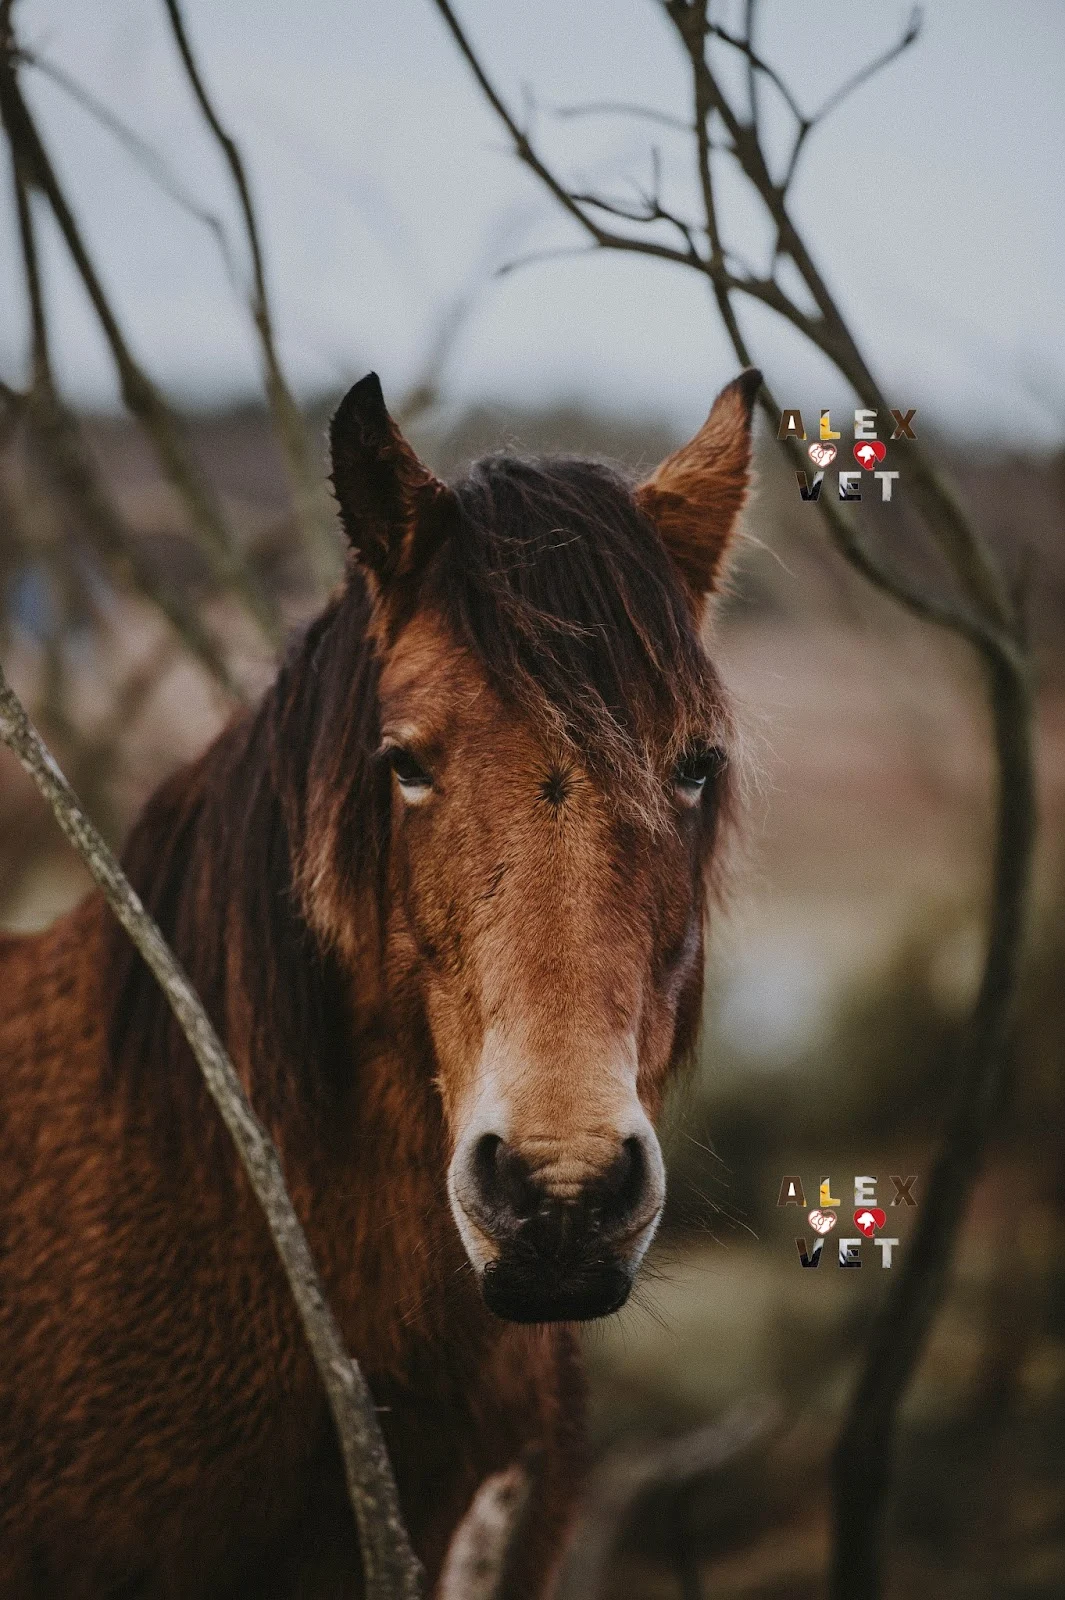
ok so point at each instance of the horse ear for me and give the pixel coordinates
(696, 495)
(390, 504)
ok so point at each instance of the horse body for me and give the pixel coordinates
(162, 1429)
(453, 975)
(122, 1317)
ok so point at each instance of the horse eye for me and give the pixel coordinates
(408, 770)
(694, 770)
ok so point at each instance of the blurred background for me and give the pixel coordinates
(395, 224)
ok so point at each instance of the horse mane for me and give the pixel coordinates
(213, 857)
(564, 593)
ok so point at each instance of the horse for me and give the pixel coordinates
(444, 894)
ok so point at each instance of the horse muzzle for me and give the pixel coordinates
(519, 1290)
(554, 1251)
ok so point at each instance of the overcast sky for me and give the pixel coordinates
(933, 200)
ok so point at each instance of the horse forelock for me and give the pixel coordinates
(563, 591)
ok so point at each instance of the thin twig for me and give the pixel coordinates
(749, 17)
(535, 258)
(807, 124)
(910, 34)
(138, 149)
(391, 1569)
(621, 108)
(757, 63)
(651, 210)
(73, 472)
(321, 545)
(138, 392)
(527, 154)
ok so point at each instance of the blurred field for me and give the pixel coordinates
(847, 943)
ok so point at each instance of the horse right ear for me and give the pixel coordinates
(697, 494)
(391, 505)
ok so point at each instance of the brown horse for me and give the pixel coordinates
(443, 895)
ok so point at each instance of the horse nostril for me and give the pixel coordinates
(484, 1164)
(622, 1187)
(516, 1203)
(504, 1181)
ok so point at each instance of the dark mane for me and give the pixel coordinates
(215, 856)
(563, 591)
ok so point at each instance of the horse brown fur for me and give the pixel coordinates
(162, 1430)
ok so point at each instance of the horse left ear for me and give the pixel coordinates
(390, 504)
(696, 495)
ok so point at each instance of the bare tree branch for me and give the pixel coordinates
(627, 1476)
(806, 125)
(323, 548)
(527, 154)
(848, 540)
(757, 64)
(73, 472)
(391, 1569)
(535, 258)
(621, 108)
(485, 1546)
(138, 392)
(765, 290)
(150, 161)
(863, 1458)
(651, 210)
(965, 551)
(989, 621)
(909, 35)
(749, 18)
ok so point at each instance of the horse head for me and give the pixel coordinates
(556, 745)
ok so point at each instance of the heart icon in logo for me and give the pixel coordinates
(821, 454)
(822, 1221)
(870, 1220)
(868, 454)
